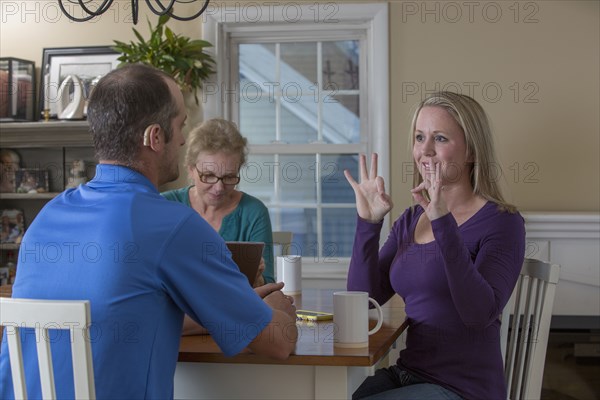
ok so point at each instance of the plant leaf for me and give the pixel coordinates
(178, 56)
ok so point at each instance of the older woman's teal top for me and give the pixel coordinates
(248, 222)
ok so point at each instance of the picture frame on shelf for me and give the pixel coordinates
(77, 174)
(32, 180)
(77, 69)
(7, 182)
(17, 89)
(10, 162)
(12, 226)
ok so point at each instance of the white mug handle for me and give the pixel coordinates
(379, 316)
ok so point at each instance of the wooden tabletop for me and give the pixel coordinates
(315, 339)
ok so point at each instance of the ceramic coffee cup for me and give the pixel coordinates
(351, 319)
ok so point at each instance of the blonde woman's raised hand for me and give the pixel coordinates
(372, 203)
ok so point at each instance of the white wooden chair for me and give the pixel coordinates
(44, 315)
(282, 242)
(528, 312)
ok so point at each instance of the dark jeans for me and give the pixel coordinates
(395, 383)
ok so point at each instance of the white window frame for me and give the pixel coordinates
(223, 23)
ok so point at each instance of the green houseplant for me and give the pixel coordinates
(179, 56)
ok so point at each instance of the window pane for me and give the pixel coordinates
(339, 225)
(298, 120)
(257, 115)
(299, 66)
(257, 62)
(341, 119)
(257, 177)
(340, 65)
(334, 186)
(298, 179)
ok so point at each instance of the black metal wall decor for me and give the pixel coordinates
(159, 9)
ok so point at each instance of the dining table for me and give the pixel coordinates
(317, 369)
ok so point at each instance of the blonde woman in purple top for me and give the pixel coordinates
(454, 257)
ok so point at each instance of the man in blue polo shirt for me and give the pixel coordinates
(141, 260)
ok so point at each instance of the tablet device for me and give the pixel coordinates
(247, 256)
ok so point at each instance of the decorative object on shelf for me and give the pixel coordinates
(17, 89)
(179, 56)
(87, 63)
(4, 276)
(11, 266)
(71, 100)
(10, 162)
(161, 10)
(13, 226)
(77, 174)
(31, 180)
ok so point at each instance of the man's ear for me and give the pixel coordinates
(153, 137)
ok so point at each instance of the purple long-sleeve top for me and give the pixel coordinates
(454, 288)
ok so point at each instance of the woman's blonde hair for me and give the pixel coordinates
(473, 120)
(216, 136)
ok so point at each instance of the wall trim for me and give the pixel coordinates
(562, 225)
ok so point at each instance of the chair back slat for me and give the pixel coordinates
(524, 346)
(44, 354)
(83, 370)
(523, 334)
(13, 334)
(44, 315)
(512, 308)
(282, 242)
(527, 333)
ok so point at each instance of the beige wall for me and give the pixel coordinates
(535, 68)
(548, 148)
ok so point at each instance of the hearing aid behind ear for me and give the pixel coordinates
(147, 135)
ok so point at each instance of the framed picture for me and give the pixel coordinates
(31, 180)
(13, 226)
(10, 162)
(17, 89)
(83, 66)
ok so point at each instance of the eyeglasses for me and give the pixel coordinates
(212, 179)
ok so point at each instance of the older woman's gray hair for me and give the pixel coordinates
(216, 136)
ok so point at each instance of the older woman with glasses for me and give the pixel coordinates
(215, 153)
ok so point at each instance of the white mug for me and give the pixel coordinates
(351, 319)
(289, 271)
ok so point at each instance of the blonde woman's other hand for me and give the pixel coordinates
(434, 204)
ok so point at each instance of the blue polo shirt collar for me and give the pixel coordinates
(117, 176)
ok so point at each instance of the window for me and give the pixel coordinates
(310, 94)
